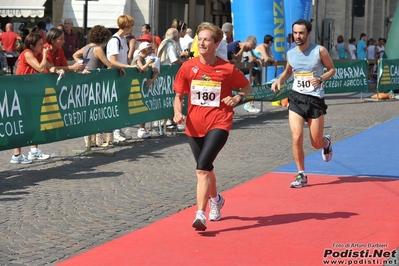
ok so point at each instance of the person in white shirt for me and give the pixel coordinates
(169, 50)
(117, 54)
(221, 51)
(352, 48)
(186, 41)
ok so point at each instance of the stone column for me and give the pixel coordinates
(191, 14)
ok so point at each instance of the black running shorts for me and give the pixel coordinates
(307, 106)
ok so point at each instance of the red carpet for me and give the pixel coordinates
(267, 223)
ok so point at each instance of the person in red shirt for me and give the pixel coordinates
(155, 39)
(209, 81)
(31, 61)
(10, 40)
(56, 56)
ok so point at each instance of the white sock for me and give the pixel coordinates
(302, 172)
(201, 212)
(216, 199)
(33, 150)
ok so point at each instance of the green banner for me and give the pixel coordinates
(350, 76)
(388, 75)
(35, 109)
(264, 92)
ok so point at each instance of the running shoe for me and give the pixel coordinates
(200, 221)
(142, 133)
(250, 108)
(20, 159)
(301, 180)
(37, 155)
(327, 153)
(214, 213)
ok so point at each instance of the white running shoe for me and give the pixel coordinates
(250, 108)
(214, 213)
(125, 135)
(301, 180)
(199, 222)
(37, 155)
(20, 159)
(327, 153)
(117, 137)
(143, 134)
(181, 127)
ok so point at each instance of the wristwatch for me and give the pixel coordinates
(242, 97)
(320, 79)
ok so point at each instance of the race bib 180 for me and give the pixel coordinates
(205, 93)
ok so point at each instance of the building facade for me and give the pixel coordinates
(330, 18)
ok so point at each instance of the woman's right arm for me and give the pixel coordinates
(178, 117)
(32, 61)
(78, 54)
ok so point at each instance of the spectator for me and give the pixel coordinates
(49, 24)
(31, 61)
(131, 42)
(342, 48)
(41, 28)
(381, 48)
(260, 55)
(71, 44)
(186, 41)
(168, 54)
(221, 51)
(149, 39)
(11, 41)
(143, 60)
(352, 48)
(237, 48)
(55, 54)
(181, 27)
(227, 29)
(24, 32)
(117, 54)
(61, 27)
(189, 32)
(208, 119)
(290, 42)
(169, 50)
(156, 42)
(372, 55)
(98, 36)
(361, 47)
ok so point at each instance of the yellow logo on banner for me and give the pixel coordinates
(135, 103)
(386, 77)
(50, 117)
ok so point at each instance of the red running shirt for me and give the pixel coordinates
(201, 119)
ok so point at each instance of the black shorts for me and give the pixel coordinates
(205, 149)
(307, 106)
